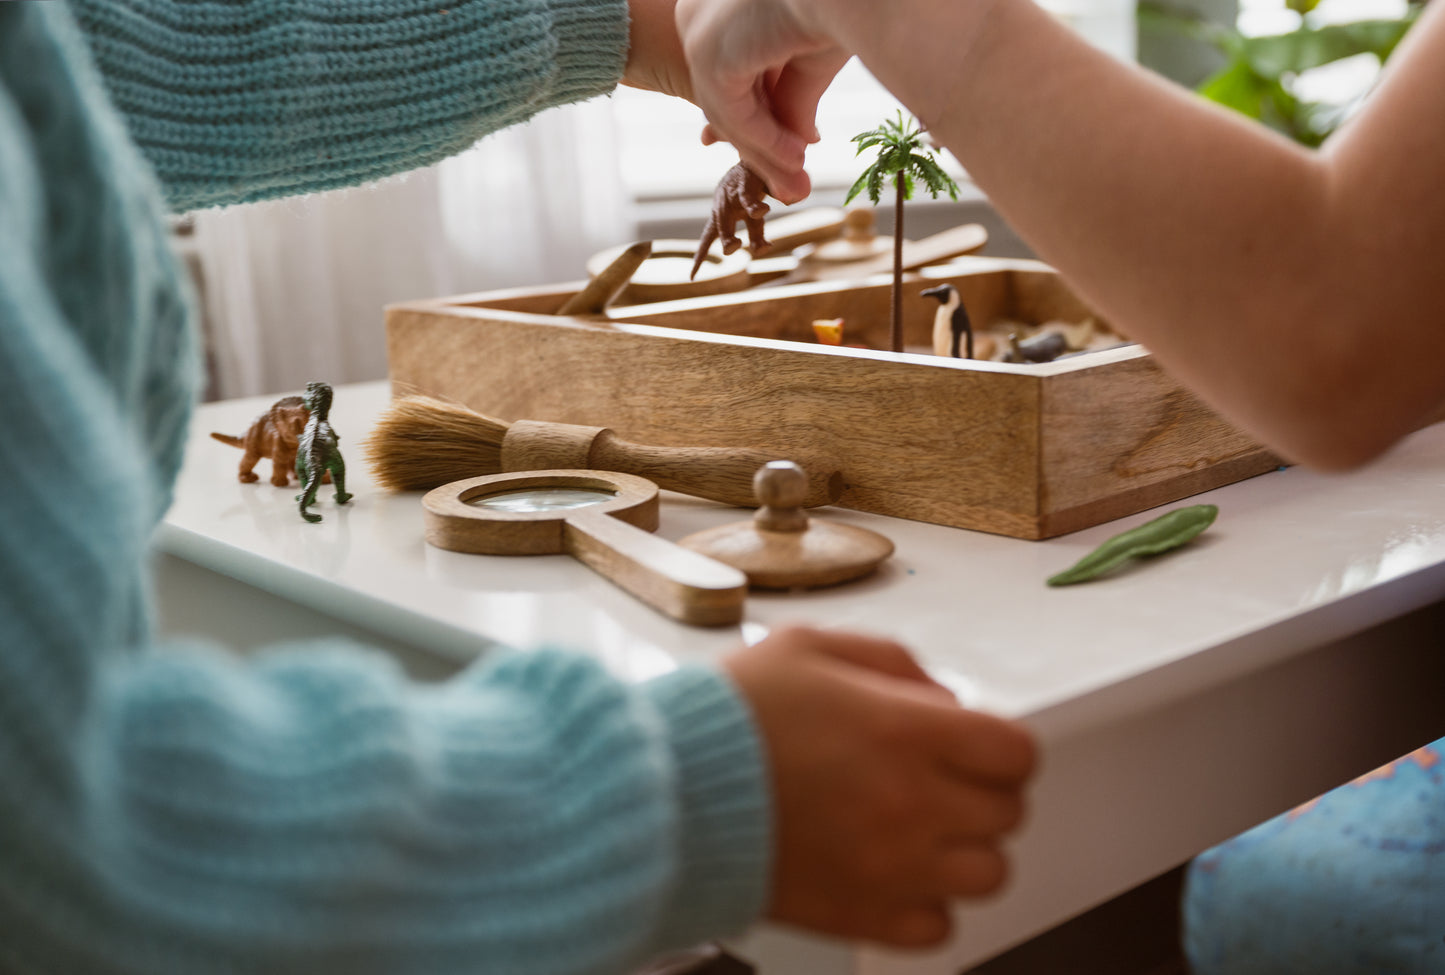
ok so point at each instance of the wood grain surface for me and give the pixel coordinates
(611, 537)
(1023, 450)
(717, 473)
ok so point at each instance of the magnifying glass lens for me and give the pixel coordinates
(527, 500)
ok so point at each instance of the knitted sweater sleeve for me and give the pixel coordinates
(315, 812)
(251, 99)
(179, 811)
(169, 811)
(166, 812)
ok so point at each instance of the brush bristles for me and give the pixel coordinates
(421, 443)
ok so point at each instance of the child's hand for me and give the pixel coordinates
(889, 799)
(758, 72)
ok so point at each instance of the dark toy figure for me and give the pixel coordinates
(318, 452)
(1043, 347)
(273, 435)
(739, 196)
(950, 323)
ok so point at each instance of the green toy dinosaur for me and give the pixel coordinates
(318, 452)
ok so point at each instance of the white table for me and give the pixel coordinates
(1294, 645)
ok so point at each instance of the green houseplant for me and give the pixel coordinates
(1259, 74)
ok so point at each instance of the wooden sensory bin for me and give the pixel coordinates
(1025, 450)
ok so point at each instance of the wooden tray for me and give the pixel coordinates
(1030, 451)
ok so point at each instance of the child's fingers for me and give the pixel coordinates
(917, 927)
(799, 88)
(873, 653)
(967, 811)
(743, 117)
(980, 746)
(970, 870)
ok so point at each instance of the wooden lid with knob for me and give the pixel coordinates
(781, 547)
(858, 242)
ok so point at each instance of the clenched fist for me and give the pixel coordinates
(889, 799)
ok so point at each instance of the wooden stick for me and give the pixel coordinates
(718, 473)
(593, 299)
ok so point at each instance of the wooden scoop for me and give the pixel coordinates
(663, 276)
(601, 518)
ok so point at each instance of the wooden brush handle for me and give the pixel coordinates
(718, 473)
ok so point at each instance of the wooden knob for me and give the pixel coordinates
(858, 224)
(859, 241)
(780, 548)
(781, 487)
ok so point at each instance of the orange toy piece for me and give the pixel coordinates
(739, 196)
(828, 330)
(274, 435)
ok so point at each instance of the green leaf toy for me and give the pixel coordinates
(1160, 535)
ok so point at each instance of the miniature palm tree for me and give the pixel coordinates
(902, 156)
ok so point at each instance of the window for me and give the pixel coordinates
(662, 158)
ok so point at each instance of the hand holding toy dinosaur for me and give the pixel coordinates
(739, 196)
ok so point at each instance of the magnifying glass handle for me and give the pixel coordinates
(683, 584)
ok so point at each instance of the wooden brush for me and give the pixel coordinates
(421, 443)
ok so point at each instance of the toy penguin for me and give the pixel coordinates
(950, 322)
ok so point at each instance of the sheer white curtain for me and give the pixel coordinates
(294, 289)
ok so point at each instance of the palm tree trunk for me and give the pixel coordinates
(895, 327)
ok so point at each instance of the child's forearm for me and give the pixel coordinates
(1227, 250)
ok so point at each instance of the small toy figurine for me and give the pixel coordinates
(904, 158)
(829, 331)
(318, 452)
(273, 435)
(950, 322)
(739, 196)
(1043, 347)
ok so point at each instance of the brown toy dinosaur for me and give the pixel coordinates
(739, 196)
(274, 435)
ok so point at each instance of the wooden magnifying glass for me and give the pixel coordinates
(601, 518)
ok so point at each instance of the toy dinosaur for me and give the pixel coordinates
(739, 196)
(318, 452)
(273, 435)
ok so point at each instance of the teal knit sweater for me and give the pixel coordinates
(177, 810)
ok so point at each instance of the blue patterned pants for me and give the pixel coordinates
(1352, 882)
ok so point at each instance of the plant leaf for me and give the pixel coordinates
(934, 177)
(875, 183)
(1236, 86)
(867, 141)
(891, 161)
(859, 185)
(1309, 47)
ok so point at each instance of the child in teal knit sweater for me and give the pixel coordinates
(312, 810)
